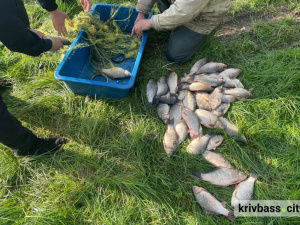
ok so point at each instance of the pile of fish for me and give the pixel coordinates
(201, 98)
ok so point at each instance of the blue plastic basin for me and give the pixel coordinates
(75, 70)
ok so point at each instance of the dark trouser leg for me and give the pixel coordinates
(22, 14)
(12, 133)
(183, 44)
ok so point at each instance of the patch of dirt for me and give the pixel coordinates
(242, 22)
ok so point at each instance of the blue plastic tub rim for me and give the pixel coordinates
(91, 82)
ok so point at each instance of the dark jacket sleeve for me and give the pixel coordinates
(16, 35)
(49, 5)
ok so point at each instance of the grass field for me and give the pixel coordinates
(114, 169)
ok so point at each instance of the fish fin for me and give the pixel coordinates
(171, 121)
(254, 175)
(149, 104)
(196, 135)
(155, 100)
(197, 174)
(224, 204)
(236, 181)
(242, 139)
(230, 216)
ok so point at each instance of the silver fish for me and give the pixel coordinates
(151, 92)
(163, 111)
(202, 101)
(162, 87)
(173, 82)
(175, 113)
(238, 83)
(232, 73)
(198, 144)
(207, 79)
(229, 83)
(191, 120)
(197, 66)
(189, 101)
(182, 131)
(210, 204)
(222, 109)
(214, 142)
(200, 86)
(239, 93)
(168, 99)
(215, 98)
(222, 176)
(170, 140)
(232, 130)
(208, 119)
(243, 192)
(183, 86)
(181, 94)
(216, 159)
(229, 99)
(113, 72)
(212, 67)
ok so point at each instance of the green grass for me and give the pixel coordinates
(114, 169)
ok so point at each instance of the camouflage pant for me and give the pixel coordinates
(183, 42)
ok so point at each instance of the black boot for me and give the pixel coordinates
(4, 85)
(43, 146)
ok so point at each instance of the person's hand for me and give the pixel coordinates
(140, 27)
(56, 44)
(86, 5)
(39, 33)
(140, 16)
(58, 19)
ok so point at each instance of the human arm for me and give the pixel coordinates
(178, 14)
(86, 5)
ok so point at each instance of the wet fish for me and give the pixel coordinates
(173, 82)
(200, 86)
(170, 140)
(208, 119)
(238, 83)
(181, 94)
(207, 79)
(232, 73)
(162, 87)
(151, 92)
(113, 72)
(239, 93)
(215, 98)
(229, 99)
(232, 130)
(183, 86)
(214, 142)
(175, 113)
(229, 83)
(163, 111)
(202, 101)
(197, 66)
(210, 204)
(191, 120)
(222, 109)
(212, 67)
(222, 176)
(182, 131)
(198, 144)
(216, 159)
(189, 101)
(168, 99)
(243, 192)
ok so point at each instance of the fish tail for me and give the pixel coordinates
(254, 175)
(197, 174)
(149, 104)
(155, 100)
(230, 216)
(171, 121)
